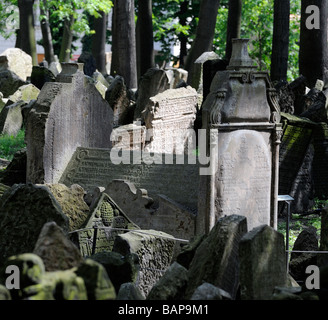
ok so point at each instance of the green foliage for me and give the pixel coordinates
(257, 25)
(9, 144)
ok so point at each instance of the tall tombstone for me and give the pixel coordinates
(241, 121)
(68, 113)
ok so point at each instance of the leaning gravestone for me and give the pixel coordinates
(155, 252)
(154, 81)
(197, 76)
(169, 118)
(98, 167)
(69, 113)
(23, 212)
(9, 82)
(17, 61)
(216, 259)
(262, 263)
(11, 118)
(241, 118)
(105, 223)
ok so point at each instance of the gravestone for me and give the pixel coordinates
(17, 61)
(197, 76)
(41, 75)
(262, 263)
(24, 211)
(26, 93)
(154, 81)
(69, 113)
(11, 118)
(177, 179)
(129, 137)
(169, 118)
(107, 214)
(295, 161)
(241, 118)
(155, 252)
(117, 97)
(216, 259)
(9, 82)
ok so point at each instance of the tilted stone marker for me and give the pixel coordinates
(170, 117)
(68, 114)
(106, 214)
(95, 167)
(262, 263)
(216, 259)
(241, 117)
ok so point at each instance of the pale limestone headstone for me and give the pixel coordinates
(169, 118)
(68, 114)
(17, 61)
(262, 263)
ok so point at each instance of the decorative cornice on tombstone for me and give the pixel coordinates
(69, 70)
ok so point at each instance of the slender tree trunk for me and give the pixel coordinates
(124, 60)
(280, 42)
(183, 38)
(99, 42)
(204, 35)
(26, 26)
(46, 34)
(66, 45)
(145, 39)
(234, 23)
(313, 57)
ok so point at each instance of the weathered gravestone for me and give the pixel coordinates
(154, 81)
(68, 114)
(241, 118)
(9, 82)
(105, 223)
(197, 76)
(23, 212)
(117, 97)
(17, 61)
(216, 259)
(295, 162)
(155, 252)
(55, 249)
(169, 118)
(167, 215)
(41, 75)
(11, 118)
(177, 179)
(262, 263)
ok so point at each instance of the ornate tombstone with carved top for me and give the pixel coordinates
(241, 118)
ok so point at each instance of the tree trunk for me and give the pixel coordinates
(46, 34)
(66, 45)
(26, 26)
(313, 56)
(124, 60)
(204, 35)
(234, 23)
(183, 38)
(280, 42)
(99, 42)
(145, 39)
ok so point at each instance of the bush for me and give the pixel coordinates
(9, 144)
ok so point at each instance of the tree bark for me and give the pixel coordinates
(313, 56)
(66, 45)
(280, 42)
(234, 23)
(124, 60)
(204, 35)
(183, 38)
(145, 38)
(26, 26)
(46, 34)
(99, 42)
